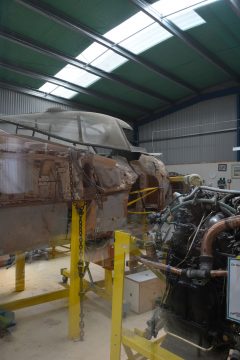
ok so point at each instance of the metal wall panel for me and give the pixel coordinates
(187, 136)
(13, 103)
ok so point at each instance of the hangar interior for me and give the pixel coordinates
(120, 179)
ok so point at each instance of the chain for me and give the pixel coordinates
(81, 263)
(71, 179)
(81, 269)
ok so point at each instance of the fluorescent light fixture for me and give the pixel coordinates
(63, 92)
(137, 34)
(237, 148)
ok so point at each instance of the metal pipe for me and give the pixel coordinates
(160, 266)
(225, 191)
(225, 211)
(218, 273)
(177, 271)
(211, 234)
(195, 201)
(190, 342)
(208, 188)
(213, 132)
(228, 207)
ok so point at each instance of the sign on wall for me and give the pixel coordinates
(233, 290)
(222, 167)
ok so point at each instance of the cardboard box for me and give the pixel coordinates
(141, 290)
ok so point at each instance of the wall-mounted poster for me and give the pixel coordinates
(236, 171)
(222, 167)
(233, 290)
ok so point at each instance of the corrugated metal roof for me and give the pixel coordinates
(219, 35)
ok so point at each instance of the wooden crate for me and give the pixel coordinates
(141, 290)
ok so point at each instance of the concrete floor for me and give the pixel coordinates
(41, 331)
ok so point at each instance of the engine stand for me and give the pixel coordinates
(131, 340)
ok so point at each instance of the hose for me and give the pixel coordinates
(213, 189)
(212, 233)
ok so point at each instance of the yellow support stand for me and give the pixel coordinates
(102, 288)
(108, 282)
(74, 289)
(147, 349)
(35, 300)
(20, 272)
(121, 248)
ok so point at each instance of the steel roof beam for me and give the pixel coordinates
(186, 38)
(235, 6)
(70, 86)
(42, 49)
(62, 19)
(225, 89)
(59, 100)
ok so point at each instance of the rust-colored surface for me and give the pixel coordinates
(38, 179)
(152, 173)
(211, 234)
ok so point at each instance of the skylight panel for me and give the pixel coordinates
(109, 61)
(48, 87)
(87, 79)
(146, 39)
(70, 73)
(92, 52)
(167, 7)
(137, 34)
(76, 76)
(63, 92)
(201, 3)
(187, 20)
(129, 27)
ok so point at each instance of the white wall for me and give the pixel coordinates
(209, 172)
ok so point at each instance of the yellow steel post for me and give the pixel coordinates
(20, 272)
(34, 300)
(121, 247)
(146, 348)
(174, 179)
(108, 281)
(145, 227)
(74, 289)
(53, 251)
